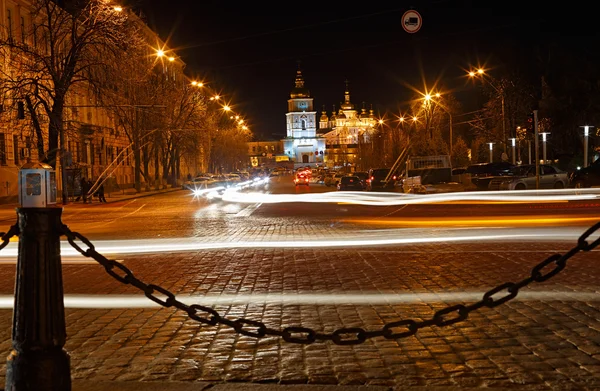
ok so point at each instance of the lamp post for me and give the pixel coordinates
(514, 144)
(500, 91)
(428, 98)
(544, 145)
(586, 133)
(491, 152)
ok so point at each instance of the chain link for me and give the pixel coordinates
(5, 237)
(343, 336)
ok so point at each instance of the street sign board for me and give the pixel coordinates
(411, 21)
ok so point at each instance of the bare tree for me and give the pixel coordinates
(62, 47)
(136, 100)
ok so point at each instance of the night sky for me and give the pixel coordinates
(250, 51)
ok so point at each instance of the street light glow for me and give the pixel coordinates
(171, 59)
(117, 8)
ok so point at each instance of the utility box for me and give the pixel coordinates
(37, 185)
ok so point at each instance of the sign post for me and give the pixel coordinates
(411, 21)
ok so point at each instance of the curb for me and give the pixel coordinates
(137, 195)
(89, 385)
(80, 385)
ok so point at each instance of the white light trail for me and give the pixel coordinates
(362, 298)
(387, 198)
(140, 246)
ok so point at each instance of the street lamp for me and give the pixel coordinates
(514, 144)
(491, 152)
(544, 144)
(586, 133)
(428, 98)
(481, 72)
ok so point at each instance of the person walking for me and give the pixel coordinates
(90, 184)
(101, 197)
(83, 184)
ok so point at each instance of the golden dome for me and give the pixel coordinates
(324, 117)
(299, 91)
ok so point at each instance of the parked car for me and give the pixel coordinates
(333, 179)
(197, 183)
(350, 182)
(381, 179)
(524, 177)
(587, 176)
(363, 175)
(483, 173)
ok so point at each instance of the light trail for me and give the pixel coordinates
(377, 238)
(362, 298)
(491, 221)
(140, 246)
(387, 199)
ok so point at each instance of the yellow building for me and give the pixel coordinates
(94, 141)
(346, 131)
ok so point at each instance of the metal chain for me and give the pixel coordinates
(5, 237)
(343, 336)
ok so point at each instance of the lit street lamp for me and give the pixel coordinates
(491, 152)
(514, 144)
(428, 98)
(500, 91)
(586, 133)
(544, 145)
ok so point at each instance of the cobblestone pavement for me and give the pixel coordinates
(552, 342)
(548, 338)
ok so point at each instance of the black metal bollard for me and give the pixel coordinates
(38, 361)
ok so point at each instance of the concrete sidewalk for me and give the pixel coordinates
(110, 198)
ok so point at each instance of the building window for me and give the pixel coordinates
(92, 153)
(9, 24)
(22, 29)
(84, 154)
(303, 124)
(16, 149)
(2, 150)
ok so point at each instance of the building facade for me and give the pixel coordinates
(267, 154)
(302, 145)
(347, 132)
(94, 143)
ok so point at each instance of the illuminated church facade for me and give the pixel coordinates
(302, 145)
(332, 141)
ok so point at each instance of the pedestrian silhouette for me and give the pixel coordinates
(90, 184)
(83, 184)
(100, 192)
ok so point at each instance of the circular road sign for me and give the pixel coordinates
(411, 21)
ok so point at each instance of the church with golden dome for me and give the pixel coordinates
(336, 141)
(302, 145)
(345, 131)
